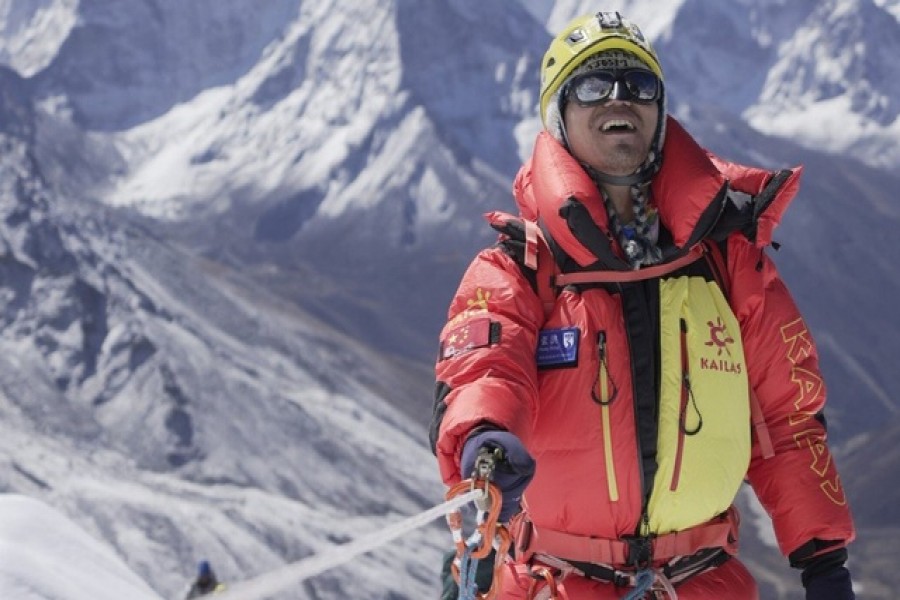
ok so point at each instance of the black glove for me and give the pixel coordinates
(512, 473)
(826, 578)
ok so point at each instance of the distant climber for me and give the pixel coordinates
(206, 582)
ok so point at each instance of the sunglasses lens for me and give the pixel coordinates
(598, 86)
(642, 85)
(593, 87)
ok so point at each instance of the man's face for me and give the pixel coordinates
(614, 137)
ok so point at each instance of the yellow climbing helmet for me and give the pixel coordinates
(584, 37)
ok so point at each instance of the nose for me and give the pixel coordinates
(619, 91)
(616, 100)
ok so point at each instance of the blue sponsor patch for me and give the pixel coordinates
(557, 347)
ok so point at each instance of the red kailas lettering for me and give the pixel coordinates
(720, 365)
(796, 336)
(813, 440)
(811, 389)
(834, 490)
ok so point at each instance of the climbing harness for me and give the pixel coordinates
(667, 559)
(488, 534)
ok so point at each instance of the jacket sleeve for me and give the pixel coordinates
(486, 369)
(799, 486)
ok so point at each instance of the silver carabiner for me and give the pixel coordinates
(485, 464)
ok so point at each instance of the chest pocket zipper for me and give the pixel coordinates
(604, 393)
(687, 399)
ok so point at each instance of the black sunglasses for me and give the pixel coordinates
(596, 87)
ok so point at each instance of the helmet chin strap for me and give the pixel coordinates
(639, 177)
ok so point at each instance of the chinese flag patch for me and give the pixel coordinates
(473, 334)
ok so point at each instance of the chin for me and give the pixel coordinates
(621, 161)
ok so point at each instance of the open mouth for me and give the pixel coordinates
(617, 126)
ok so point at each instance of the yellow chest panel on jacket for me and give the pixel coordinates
(704, 410)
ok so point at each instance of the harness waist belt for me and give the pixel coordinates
(719, 532)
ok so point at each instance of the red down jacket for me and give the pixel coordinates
(624, 445)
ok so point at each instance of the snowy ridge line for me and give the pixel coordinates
(275, 581)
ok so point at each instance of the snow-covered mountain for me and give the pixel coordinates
(175, 410)
(229, 236)
(366, 135)
(819, 73)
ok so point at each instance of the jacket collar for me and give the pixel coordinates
(689, 191)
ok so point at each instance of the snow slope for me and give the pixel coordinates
(45, 555)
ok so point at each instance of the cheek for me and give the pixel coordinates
(570, 119)
(581, 141)
(577, 124)
(651, 118)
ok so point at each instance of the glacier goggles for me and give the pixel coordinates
(596, 87)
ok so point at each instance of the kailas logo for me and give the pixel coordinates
(719, 339)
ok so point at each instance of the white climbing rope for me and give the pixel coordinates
(263, 586)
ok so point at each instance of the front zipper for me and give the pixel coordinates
(687, 395)
(604, 393)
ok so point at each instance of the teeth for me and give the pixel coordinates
(615, 123)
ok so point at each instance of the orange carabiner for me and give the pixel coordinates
(545, 575)
(493, 534)
(487, 525)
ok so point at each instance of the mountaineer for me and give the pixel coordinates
(632, 354)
